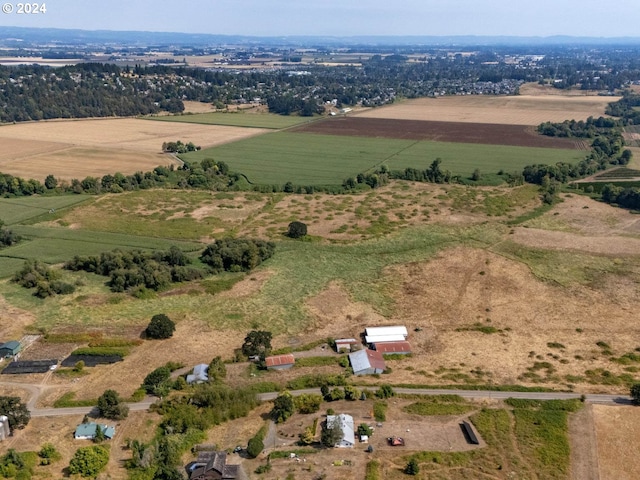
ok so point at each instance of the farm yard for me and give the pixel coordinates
(524, 109)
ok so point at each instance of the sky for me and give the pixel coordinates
(592, 18)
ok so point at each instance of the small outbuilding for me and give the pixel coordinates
(389, 348)
(199, 374)
(280, 362)
(87, 431)
(366, 362)
(10, 349)
(345, 344)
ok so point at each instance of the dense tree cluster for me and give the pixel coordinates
(580, 129)
(38, 275)
(626, 108)
(257, 343)
(135, 269)
(236, 255)
(179, 147)
(623, 197)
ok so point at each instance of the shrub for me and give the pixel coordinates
(48, 454)
(283, 407)
(412, 467)
(297, 230)
(255, 446)
(160, 327)
(635, 393)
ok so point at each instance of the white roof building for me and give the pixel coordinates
(386, 334)
(348, 431)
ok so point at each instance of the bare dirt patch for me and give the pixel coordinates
(524, 109)
(13, 321)
(617, 433)
(553, 240)
(249, 285)
(440, 131)
(584, 450)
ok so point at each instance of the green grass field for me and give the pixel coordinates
(251, 120)
(55, 245)
(310, 159)
(16, 210)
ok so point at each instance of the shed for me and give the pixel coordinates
(402, 348)
(348, 431)
(10, 349)
(366, 362)
(280, 362)
(199, 374)
(87, 431)
(345, 344)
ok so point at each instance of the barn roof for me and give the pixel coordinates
(393, 347)
(278, 360)
(346, 424)
(391, 330)
(384, 338)
(365, 359)
(350, 341)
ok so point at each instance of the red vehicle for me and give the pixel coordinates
(396, 441)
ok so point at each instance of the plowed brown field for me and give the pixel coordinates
(456, 132)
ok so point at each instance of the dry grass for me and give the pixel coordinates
(77, 148)
(508, 110)
(617, 432)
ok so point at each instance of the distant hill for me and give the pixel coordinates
(22, 36)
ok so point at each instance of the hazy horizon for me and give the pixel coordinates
(544, 18)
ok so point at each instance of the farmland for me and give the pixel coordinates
(80, 148)
(237, 119)
(314, 159)
(488, 297)
(524, 109)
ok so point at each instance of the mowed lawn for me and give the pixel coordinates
(312, 159)
(251, 120)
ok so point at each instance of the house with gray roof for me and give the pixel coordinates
(366, 362)
(213, 466)
(199, 374)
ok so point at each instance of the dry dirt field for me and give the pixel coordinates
(617, 433)
(512, 110)
(463, 132)
(78, 148)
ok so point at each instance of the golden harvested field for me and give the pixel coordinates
(506, 110)
(617, 432)
(78, 148)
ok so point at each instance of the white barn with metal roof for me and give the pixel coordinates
(386, 334)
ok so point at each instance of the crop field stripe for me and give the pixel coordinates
(16, 210)
(316, 159)
(248, 120)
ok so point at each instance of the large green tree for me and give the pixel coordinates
(257, 342)
(89, 461)
(331, 433)
(283, 407)
(111, 406)
(157, 382)
(635, 393)
(16, 411)
(160, 327)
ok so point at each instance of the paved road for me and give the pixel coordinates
(606, 399)
(592, 398)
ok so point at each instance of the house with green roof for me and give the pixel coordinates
(87, 431)
(10, 349)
